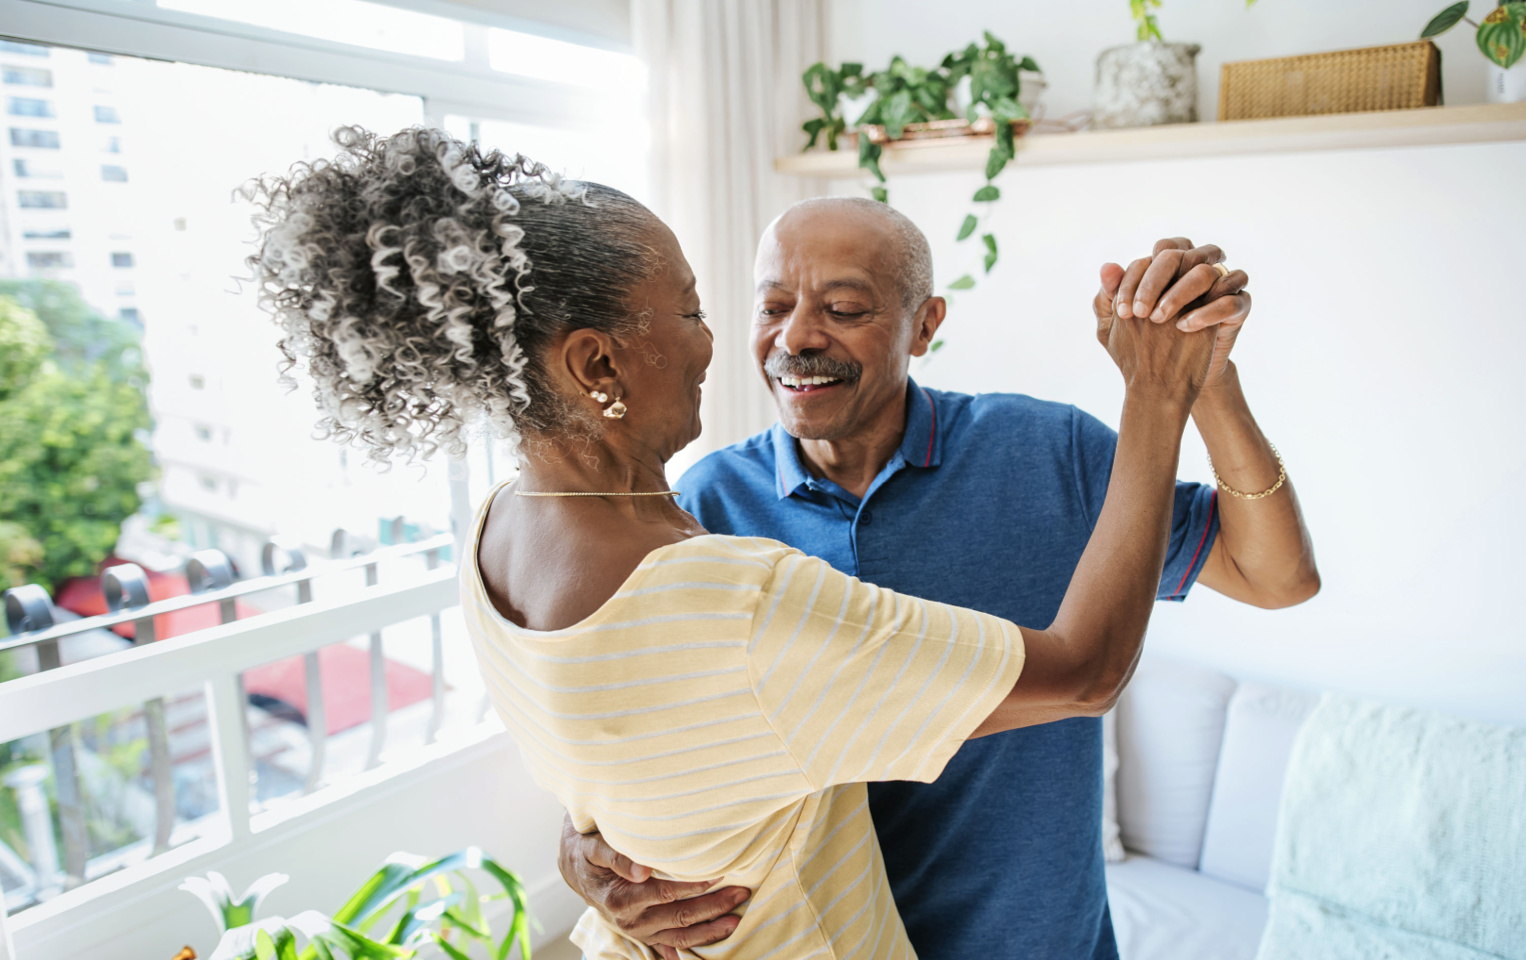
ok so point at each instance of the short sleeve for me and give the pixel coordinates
(866, 684)
(1194, 517)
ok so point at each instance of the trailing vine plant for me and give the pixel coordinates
(903, 94)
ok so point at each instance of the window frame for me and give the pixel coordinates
(138, 28)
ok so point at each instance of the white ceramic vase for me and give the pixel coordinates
(1145, 84)
(1507, 86)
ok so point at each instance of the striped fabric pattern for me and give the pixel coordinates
(719, 715)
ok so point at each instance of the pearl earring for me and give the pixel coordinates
(599, 396)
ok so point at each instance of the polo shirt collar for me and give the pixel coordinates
(922, 445)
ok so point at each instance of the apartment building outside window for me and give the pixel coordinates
(54, 234)
(107, 115)
(31, 169)
(37, 139)
(42, 199)
(25, 49)
(113, 174)
(27, 76)
(29, 107)
(48, 260)
(111, 145)
(121, 259)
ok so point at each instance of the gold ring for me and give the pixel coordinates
(1223, 270)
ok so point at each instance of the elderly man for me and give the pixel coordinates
(940, 494)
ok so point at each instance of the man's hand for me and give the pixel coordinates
(1177, 282)
(666, 915)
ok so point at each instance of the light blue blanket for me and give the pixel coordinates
(1402, 836)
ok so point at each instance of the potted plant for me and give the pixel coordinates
(1148, 82)
(407, 904)
(916, 103)
(1501, 37)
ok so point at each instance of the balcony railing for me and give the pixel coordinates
(178, 691)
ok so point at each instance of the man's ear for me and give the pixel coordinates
(925, 324)
(588, 363)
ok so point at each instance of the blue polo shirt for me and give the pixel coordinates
(988, 503)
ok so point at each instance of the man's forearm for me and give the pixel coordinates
(1263, 555)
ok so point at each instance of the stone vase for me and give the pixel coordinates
(1146, 84)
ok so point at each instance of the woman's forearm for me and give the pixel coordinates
(1083, 660)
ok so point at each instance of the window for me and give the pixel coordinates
(126, 288)
(46, 234)
(25, 49)
(48, 260)
(107, 115)
(105, 59)
(129, 314)
(42, 199)
(198, 382)
(208, 482)
(28, 76)
(113, 174)
(41, 139)
(121, 259)
(545, 59)
(111, 145)
(373, 25)
(28, 107)
(35, 171)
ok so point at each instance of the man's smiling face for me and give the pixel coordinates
(832, 333)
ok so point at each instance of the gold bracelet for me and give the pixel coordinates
(1282, 476)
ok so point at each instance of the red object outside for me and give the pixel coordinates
(345, 672)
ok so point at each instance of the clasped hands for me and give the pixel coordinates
(1177, 283)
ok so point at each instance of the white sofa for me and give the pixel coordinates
(1200, 762)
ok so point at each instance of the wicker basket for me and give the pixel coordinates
(1399, 77)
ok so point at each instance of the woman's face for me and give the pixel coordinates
(663, 367)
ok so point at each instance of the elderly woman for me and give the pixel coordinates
(713, 704)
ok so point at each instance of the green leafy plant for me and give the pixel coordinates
(1501, 37)
(903, 94)
(391, 917)
(1145, 26)
(72, 415)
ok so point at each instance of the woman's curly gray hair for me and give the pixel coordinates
(420, 279)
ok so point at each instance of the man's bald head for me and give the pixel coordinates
(910, 256)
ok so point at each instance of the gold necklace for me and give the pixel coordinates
(579, 493)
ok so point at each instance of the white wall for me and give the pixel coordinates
(1382, 357)
(1065, 38)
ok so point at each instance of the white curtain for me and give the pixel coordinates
(726, 99)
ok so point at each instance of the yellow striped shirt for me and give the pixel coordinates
(718, 717)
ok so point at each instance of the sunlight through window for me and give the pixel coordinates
(372, 25)
(544, 59)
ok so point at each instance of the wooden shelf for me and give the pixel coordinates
(1486, 123)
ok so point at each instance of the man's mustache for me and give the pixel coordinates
(811, 365)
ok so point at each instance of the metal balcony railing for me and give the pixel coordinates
(150, 676)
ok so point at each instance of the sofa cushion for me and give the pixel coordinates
(1170, 722)
(1112, 838)
(1259, 729)
(1163, 912)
